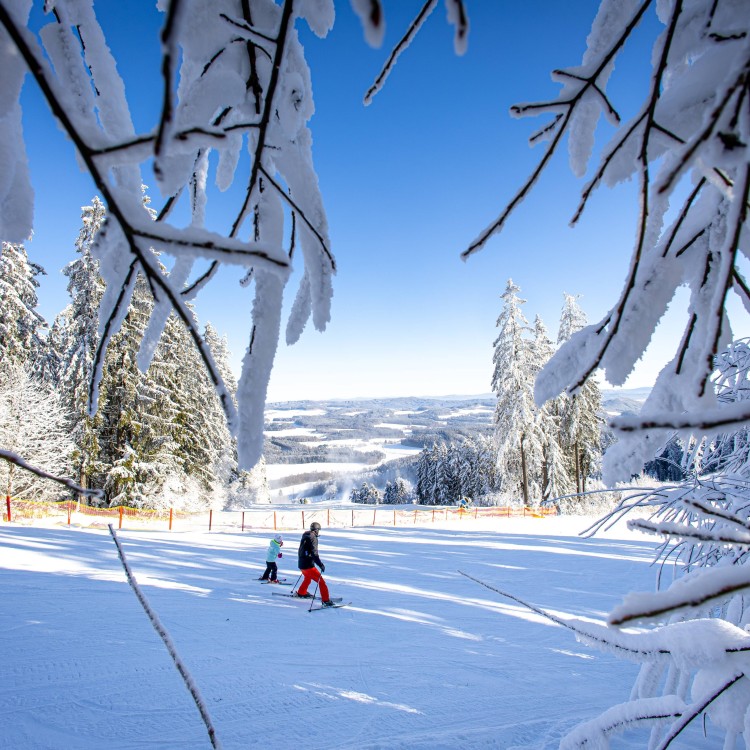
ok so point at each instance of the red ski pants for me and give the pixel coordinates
(312, 574)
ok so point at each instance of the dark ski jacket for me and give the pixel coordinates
(308, 551)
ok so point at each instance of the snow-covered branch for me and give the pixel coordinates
(164, 635)
(574, 94)
(689, 594)
(372, 20)
(230, 75)
(26, 466)
(684, 531)
(406, 40)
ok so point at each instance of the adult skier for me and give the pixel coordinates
(308, 558)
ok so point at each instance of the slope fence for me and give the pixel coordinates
(72, 513)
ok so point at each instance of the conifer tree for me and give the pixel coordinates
(555, 478)
(396, 492)
(580, 423)
(424, 479)
(127, 435)
(20, 342)
(201, 441)
(518, 447)
(485, 467)
(73, 339)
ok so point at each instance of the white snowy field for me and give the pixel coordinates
(423, 657)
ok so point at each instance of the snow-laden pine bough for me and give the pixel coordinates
(69, 483)
(687, 143)
(233, 77)
(687, 146)
(696, 659)
(709, 658)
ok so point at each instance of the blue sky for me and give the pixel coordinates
(408, 183)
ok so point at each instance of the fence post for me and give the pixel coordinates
(170, 519)
(7, 505)
(69, 504)
(394, 517)
(243, 520)
(415, 517)
(274, 520)
(303, 520)
(476, 512)
(374, 511)
(120, 524)
(210, 518)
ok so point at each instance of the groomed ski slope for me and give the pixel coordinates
(422, 658)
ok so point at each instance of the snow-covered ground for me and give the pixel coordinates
(422, 658)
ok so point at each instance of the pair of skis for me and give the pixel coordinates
(338, 601)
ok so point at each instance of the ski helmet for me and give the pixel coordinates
(314, 526)
(278, 538)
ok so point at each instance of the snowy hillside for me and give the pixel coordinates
(423, 657)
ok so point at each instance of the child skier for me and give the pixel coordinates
(274, 551)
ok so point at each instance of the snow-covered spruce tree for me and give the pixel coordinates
(486, 477)
(225, 466)
(519, 449)
(74, 339)
(425, 477)
(580, 423)
(137, 449)
(467, 477)
(396, 493)
(33, 424)
(686, 147)
(367, 494)
(20, 340)
(555, 475)
(202, 443)
(445, 473)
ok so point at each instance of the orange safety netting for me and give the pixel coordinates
(261, 518)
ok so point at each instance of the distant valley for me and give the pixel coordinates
(314, 446)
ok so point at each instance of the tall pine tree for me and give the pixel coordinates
(555, 478)
(73, 338)
(519, 449)
(20, 341)
(580, 423)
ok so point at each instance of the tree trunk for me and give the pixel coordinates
(82, 483)
(524, 474)
(545, 476)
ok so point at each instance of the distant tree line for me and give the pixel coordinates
(293, 450)
(448, 472)
(397, 492)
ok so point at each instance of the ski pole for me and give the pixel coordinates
(296, 582)
(314, 595)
